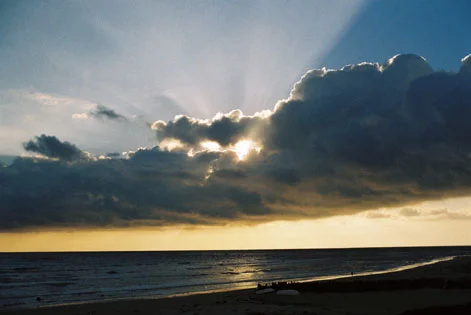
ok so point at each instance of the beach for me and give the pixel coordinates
(424, 300)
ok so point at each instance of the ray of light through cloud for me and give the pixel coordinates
(155, 60)
(204, 116)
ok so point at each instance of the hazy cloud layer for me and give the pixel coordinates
(416, 214)
(362, 137)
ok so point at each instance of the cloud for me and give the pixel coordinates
(80, 116)
(466, 65)
(377, 215)
(100, 112)
(225, 129)
(418, 214)
(369, 134)
(363, 137)
(151, 187)
(51, 147)
(409, 212)
(6, 159)
(450, 215)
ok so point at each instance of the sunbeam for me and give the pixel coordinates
(158, 59)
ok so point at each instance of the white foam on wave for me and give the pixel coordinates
(391, 270)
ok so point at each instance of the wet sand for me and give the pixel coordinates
(425, 300)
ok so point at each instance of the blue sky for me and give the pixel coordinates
(153, 60)
(435, 29)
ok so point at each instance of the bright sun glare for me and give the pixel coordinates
(210, 145)
(243, 148)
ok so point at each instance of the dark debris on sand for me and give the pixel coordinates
(442, 310)
(370, 285)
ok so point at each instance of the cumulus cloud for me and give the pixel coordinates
(151, 187)
(225, 129)
(51, 147)
(362, 137)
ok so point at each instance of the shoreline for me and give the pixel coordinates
(210, 302)
(239, 288)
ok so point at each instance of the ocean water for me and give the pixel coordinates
(60, 278)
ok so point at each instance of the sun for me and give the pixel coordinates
(243, 148)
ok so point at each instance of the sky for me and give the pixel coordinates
(218, 124)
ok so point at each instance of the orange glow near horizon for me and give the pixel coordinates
(337, 232)
(433, 223)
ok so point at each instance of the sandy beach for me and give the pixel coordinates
(404, 301)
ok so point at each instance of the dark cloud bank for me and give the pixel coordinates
(347, 140)
(51, 147)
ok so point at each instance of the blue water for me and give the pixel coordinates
(74, 277)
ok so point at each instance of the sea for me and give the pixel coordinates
(76, 277)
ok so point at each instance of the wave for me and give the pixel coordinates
(199, 268)
(156, 274)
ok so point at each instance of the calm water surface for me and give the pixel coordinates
(74, 277)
